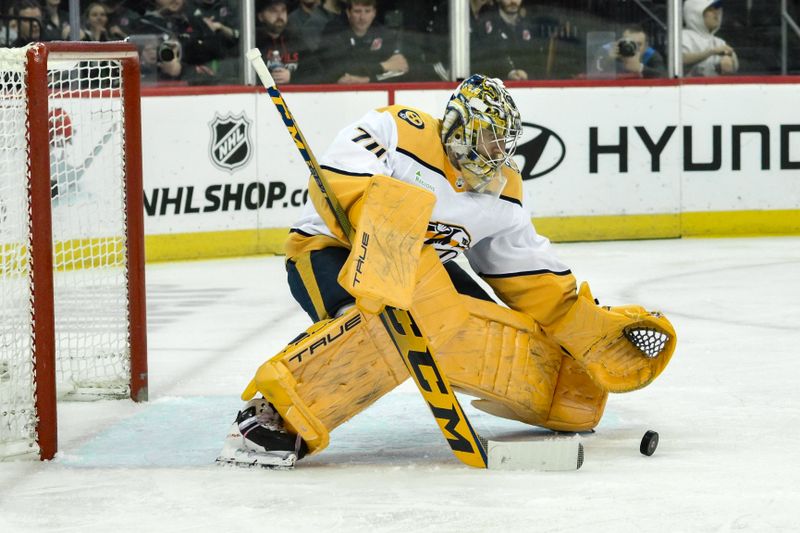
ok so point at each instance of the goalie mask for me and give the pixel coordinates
(480, 130)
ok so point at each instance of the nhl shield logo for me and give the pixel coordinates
(230, 141)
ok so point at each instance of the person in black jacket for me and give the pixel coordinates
(121, 19)
(364, 50)
(284, 51)
(223, 18)
(200, 43)
(511, 45)
(56, 20)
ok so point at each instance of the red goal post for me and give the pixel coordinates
(71, 235)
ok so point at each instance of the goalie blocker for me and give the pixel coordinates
(557, 379)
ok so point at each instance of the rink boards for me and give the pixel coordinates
(222, 178)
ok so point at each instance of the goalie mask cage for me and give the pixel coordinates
(72, 313)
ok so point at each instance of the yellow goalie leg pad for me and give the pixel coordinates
(578, 402)
(342, 366)
(391, 221)
(333, 372)
(622, 348)
(502, 357)
(498, 357)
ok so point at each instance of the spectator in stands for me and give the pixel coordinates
(334, 10)
(170, 65)
(169, 55)
(284, 51)
(704, 54)
(121, 19)
(222, 18)
(476, 7)
(200, 43)
(511, 45)
(425, 31)
(311, 18)
(630, 56)
(7, 34)
(56, 20)
(364, 50)
(308, 20)
(8, 30)
(426, 27)
(95, 23)
(160, 61)
(27, 22)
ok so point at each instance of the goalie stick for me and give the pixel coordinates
(467, 446)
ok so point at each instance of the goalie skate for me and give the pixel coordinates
(237, 452)
(257, 438)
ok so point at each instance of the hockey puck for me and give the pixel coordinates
(649, 443)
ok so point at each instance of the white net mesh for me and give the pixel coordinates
(17, 412)
(85, 118)
(87, 184)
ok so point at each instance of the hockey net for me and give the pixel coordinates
(72, 317)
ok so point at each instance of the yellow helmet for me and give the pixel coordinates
(480, 130)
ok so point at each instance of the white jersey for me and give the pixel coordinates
(496, 234)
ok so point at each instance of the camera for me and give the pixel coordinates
(168, 51)
(627, 48)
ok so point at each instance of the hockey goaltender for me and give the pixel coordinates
(419, 191)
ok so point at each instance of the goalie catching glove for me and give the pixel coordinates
(622, 348)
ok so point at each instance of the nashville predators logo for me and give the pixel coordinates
(412, 117)
(449, 240)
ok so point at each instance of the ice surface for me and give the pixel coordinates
(727, 410)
